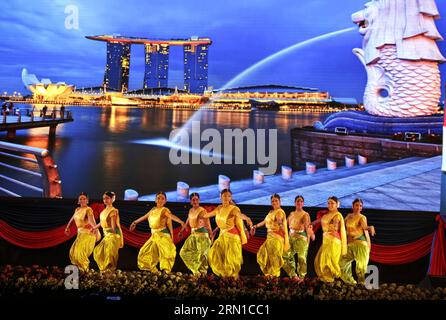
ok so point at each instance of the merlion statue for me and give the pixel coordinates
(401, 57)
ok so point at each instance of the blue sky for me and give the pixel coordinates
(34, 36)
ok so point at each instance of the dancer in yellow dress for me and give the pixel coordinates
(270, 254)
(196, 247)
(334, 243)
(160, 247)
(225, 256)
(301, 231)
(106, 252)
(86, 238)
(358, 248)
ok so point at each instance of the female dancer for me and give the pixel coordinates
(334, 243)
(358, 247)
(225, 255)
(106, 252)
(301, 231)
(269, 256)
(86, 238)
(160, 247)
(195, 249)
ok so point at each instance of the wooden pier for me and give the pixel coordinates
(16, 121)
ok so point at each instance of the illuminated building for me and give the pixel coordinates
(157, 66)
(44, 89)
(156, 62)
(279, 97)
(195, 68)
(117, 70)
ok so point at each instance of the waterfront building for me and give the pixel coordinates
(156, 62)
(276, 97)
(195, 68)
(156, 65)
(117, 69)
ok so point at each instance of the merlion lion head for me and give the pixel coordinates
(366, 17)
(400, 50)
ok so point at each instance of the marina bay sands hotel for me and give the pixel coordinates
(156, 72)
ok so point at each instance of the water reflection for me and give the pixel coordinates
(113, 159)
(115, 118)
(95, 152)
(179, 117)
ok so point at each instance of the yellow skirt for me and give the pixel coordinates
(299, 246)
(81, 249)
(106, 252)
(159, 248)
(269, 256)
(326, 263)
(195, 251)
(225, 255)
(359, 251)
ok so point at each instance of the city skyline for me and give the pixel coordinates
(243, 33)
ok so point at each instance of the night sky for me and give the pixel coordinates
(33, 36)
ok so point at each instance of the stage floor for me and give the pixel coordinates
(408, 184)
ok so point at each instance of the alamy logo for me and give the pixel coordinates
(372, 278)
(72, 280)
(72, 18)
(234, 143)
